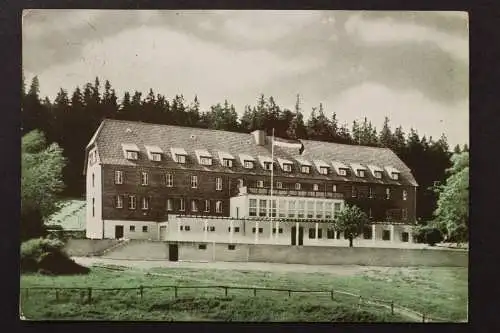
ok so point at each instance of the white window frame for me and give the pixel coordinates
(342, 172)
(260, 184)
(370, 192)
(252, 208)
(194, 205)
(268, 166)
(388, 193)
(218, 206)
(315, 187)
(145, 203)
(305, 169)
(323, 170)
(182, 205)
(156, 157)
(144, 179)
(248, 164)
(395, 176)
(118, 177)
(194, 181)
(241, 183)
(170, 205)
(263, 207)
(287, 167)
(297, 186)
(207, 206)
(132, 202)
(228, 163)
(405, 195)
(334, 188)
(404, 213)
(354, 192)
(132, 155)
(218, 183)
(118, 201)
(279, 185)
(181, 159)
(205, 160)
(169, 180)
(378, 174)
(361, 173)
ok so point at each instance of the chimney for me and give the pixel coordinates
(260, 137)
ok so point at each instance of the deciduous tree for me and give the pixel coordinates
(350, 220)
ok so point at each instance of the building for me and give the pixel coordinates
(162, 182)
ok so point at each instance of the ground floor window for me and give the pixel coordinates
(386, 235)
(235, 229)
(312, 233)
(202, 246)
(330, 233)
(185, 228)
(252, 210)
(280, 230)
(231, 246)
(261, 230)
(320, 233)
(132, 228)
(404, 237)
(367, 233)
(145, 228)
(338, 234)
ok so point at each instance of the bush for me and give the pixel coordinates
(46, 256)
(428, 234)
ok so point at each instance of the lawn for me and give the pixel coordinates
(440, 292)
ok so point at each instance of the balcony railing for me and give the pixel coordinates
(291, 193)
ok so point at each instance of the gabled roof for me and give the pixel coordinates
(375, 168)
(265, 159)
(153, 150)
(225, 155)
(112, 133)
(245, 157)
(339, 165)
(130, 147)
(202, 153)
(283, 161)
(357, 166)
(390, 170)
(303, 162)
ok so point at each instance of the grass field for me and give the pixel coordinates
(440, 292)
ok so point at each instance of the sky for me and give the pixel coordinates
(412, 67)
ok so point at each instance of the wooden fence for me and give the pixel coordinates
(86, 296)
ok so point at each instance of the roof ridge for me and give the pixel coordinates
(347, 144)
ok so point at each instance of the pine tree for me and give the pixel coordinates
(356, 133)
(466, 148)
(297, 129)
(109, 102)
(457, 150)
(386, 138)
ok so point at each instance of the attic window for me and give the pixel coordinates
(323, 170)
(267, 165)
(132, 155)
(205, 160)
(180, 158)
(305, 169)
(227, 162)
(156, 157)
(287, 167)
(248, 164)
(361, 173)
(343, 172)
(395, 176)
(378, 174)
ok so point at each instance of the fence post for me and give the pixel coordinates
(175, 291)
(392, 307)
(331, 294)
(423, 317)
(255, 291)
(141, 291)
(225, 291)
(90, 295)
(57, 294)
(289, 293)
(359, 302)
(82, 295)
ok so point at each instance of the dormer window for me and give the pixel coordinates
(180, 158)
(359, 170)
(226, 159)
(227, 163)
(342, 172)
(156, 157)
(268, 165)
(395, 176)
(378, 174)
(323, 170)
(361, 173)
(132, 155)
(393, 173)
(305, 169)
(248, 164)
(205, 160)
(287, 167)
(178, 155)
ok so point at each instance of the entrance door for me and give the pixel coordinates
(294, 234)
(118, 231)
(173, 252)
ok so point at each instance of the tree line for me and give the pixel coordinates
(71, 119)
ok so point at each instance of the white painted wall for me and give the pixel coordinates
(94, 225)
(152, 233)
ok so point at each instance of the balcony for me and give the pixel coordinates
(291, 193)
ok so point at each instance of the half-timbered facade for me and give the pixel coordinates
(140, 176)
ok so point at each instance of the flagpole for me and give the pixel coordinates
(272, 181)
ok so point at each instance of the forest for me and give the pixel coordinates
(72, 117)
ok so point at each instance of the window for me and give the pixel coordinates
(273, 208)
(282, 209)
(252, 210)
(202, 246)
(301, 210)
(330, 233)
(370, 192)
(170, 205)
(145, 203)
(262, 207)
(236, 229)
(361, 173)
(395, 176)
(132, 228)
(354, 192)
(334, 188)
(93, 180)
(92, 157)
(338, 234)
(194, 206)
(218, 184)
(279, 185)
(132, 155)
(386, 235)
(118, 177)
(387, 193)
(231, 246)
(315, 187)
(131, 202)
(212, 228)
(260, 183)
(291, 208)
(323, 170)
(156, 157)
(181, 159)
(227, 162)
(182, 206)
(405, 194)
(367, 233)
(342, 172)
(280, 230)
(144, 178)
(240, 182)
(310, 209)
(320, 233)
(287, 167)
(336, 207)
(93, 207)
(261, 230)
(378, 174)
(248, 164)
(144, 228)
(297, 186)
(218, 206)
(207, 206)
(319, 209)
(205, 161)
(370, 213)
(404, 213)
(312, 233)
(404, 237)
(328, 210)
(194, 181)
(187, 228)
(119, 201)
(169, 180)
(305, 169)
(267, 165)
